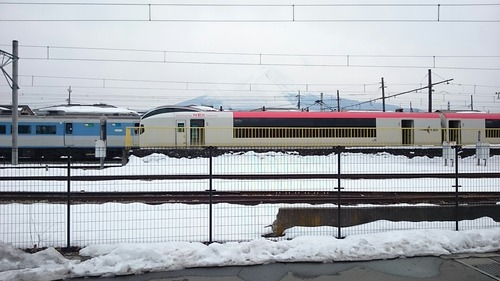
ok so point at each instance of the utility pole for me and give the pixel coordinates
(383, 95)
(430, 91)
(338, 101)
(15, 105)
(298, 102)
(69, 95)
(471, 102)
(321, 102)
(7, 58)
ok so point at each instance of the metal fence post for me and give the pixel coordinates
(456, 188)
(339, 150)
(68, 203)
(210, 189)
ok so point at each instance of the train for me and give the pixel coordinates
(178, 127)
(191, 129)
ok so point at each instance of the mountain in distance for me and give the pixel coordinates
(270, 89)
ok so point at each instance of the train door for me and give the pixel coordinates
(68, 134)
(455, 134)
(180, 133)
(197, 132)
(408, 132)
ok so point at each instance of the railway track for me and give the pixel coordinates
(252, 197)
(410, 152)
(176, 152)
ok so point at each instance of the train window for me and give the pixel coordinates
(492, 128)
(407, 131)
(305, 132)
(24, 129)
(493, 133)
(138, 128)
(69, 128)
(197, 131)
(304, 128)
(306, 122)
(180, 127)
(3, 129)
(454, 131)
(45, 129)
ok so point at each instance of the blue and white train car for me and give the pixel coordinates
(50, 137)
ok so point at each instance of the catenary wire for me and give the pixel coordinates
(264, 64)
(252, 53)
(258, 57)
(291, 14)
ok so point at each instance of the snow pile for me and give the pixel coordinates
(123, 259)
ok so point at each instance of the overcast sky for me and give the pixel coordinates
(141, 56)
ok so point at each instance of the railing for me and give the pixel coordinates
(243, 195)
(157, 136)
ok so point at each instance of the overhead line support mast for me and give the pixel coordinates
(13, 83)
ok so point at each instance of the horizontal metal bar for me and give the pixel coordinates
(255, 176)
(252, 197)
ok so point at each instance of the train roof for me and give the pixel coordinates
(341, 114)
(87, 110)
(471, 115)
(203, 108)
(173, 109)
(69, 118)
(22, 110)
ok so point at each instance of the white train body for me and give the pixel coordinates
(309, 129)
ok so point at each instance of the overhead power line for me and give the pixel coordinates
(122, 84)
(251, 85)
(266, 63)
(305, 85)
(399, 94)
(99, 54)
(246, 5)
(264, 13)
(44, 81)
(48, 48)
(104, 83)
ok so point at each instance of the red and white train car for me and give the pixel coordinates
(307, 129)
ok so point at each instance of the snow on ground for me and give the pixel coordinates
(376, 240)
(124, 259)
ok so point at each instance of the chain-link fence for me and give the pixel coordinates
(212, 194)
